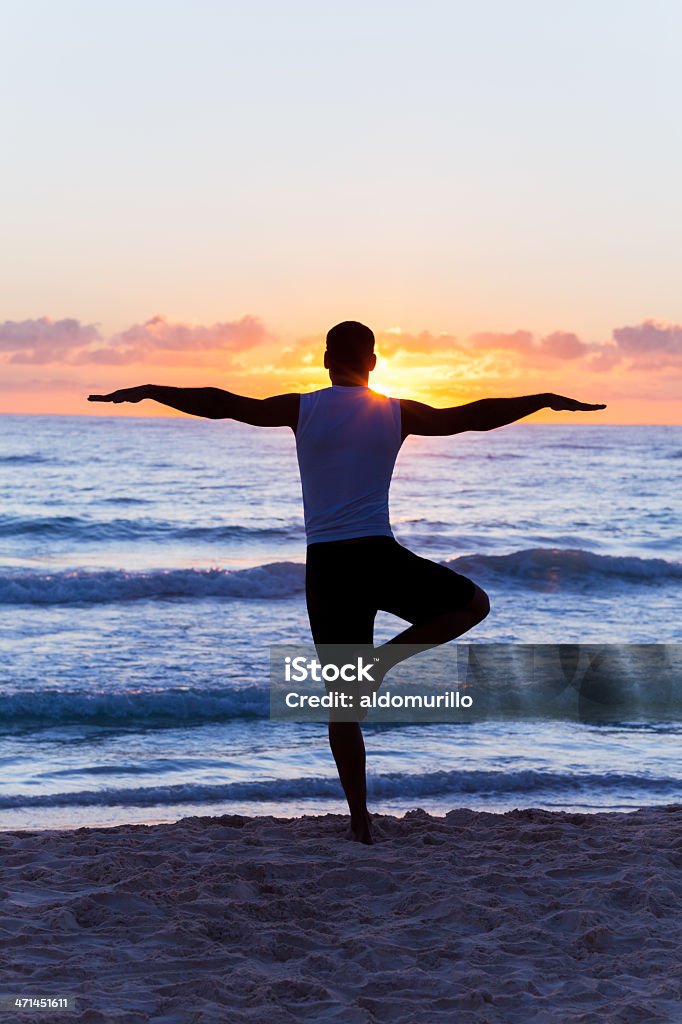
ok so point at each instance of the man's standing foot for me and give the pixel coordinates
(360, 830)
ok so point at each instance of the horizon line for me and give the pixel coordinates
(163, 416)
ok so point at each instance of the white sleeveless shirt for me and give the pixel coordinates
(347, 441)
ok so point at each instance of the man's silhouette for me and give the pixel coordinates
(347, 441)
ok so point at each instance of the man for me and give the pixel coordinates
(347, 441)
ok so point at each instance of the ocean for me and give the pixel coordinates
(147, 565)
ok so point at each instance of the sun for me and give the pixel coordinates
(390, 379)
(376, 384)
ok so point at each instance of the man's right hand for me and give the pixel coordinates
(560, 404)
(122, 395)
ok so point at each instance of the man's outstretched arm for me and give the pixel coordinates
(486, 414)
(214, 404)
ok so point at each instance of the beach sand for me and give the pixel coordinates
(529, 916)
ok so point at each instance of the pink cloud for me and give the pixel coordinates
(604, 359)
(143, 342)
(44, 340)
(41, 384)
(648, 337)
(563, 345)
(652, 349)
(68, 341)
(559, 344)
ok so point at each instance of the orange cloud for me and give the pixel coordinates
(390, 343)
(639, 365)
(518, 341)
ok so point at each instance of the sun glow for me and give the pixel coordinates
(382, 389)
(392, 380)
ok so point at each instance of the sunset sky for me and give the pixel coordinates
(194, 192)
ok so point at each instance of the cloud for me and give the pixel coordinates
(648, 337)
(246, 354)
(41, 384)
(303, 353)
(485, 355)
(394, 340)
(44, 340)
(146, 342)
(558, 345)
(518, 341)
(563, 345)
(70, 342)
(604, 359)
(310, 350)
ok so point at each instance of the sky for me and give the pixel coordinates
(195, 192)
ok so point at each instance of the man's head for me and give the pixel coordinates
(349, 356)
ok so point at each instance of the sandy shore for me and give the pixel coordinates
(525, 917)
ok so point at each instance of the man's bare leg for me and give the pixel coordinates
(348, 748)
(345, 738)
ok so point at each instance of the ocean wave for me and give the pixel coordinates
(571, 566)
(273, 580)
(23, 460)
(79, 529)
(171, 707)
(393, 785)
(609, 684)
(551, 567)
(122, 499)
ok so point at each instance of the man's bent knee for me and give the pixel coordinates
(479, 604)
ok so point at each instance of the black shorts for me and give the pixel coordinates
(348, 582)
